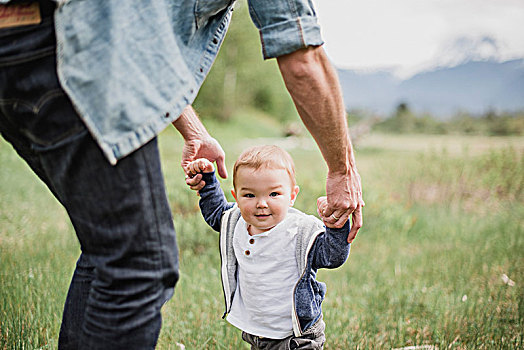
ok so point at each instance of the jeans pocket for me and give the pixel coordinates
(47, 121)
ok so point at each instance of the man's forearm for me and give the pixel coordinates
(189, 125)
(313, 84)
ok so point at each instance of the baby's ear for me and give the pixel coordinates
(294, 194)
(234, 194)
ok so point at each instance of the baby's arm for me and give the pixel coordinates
(212, 202)
(331, 249)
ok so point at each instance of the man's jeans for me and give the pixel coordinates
(129, 261)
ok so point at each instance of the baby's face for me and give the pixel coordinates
(263, 197)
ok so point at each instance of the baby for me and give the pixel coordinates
(270, 251)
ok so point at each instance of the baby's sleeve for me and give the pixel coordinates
(331, 248)
(212, 201)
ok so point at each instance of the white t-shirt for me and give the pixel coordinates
(267, 274)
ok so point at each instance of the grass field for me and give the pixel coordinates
(439, 261)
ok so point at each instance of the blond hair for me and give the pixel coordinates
(265, 156)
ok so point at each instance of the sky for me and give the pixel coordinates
(408, 36)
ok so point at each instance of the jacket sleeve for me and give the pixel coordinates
(331, 248)
(213, 202)
(285, 26)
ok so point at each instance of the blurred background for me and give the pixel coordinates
(405, 66)
(434, 92)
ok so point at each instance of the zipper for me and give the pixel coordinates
(223, 262)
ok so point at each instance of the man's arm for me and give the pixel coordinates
(313, 84)
(198, 142)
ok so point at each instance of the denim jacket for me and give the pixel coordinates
(317, 247)
(131, 66)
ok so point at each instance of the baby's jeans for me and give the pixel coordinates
(313, 338)
(129, 261)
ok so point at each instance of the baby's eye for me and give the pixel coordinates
(274, 194)
(249, 195)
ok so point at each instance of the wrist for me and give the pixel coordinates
(209, 177)
(338, 170)
(190, 126)
(340, 167)
(344, 166)
(190, 131)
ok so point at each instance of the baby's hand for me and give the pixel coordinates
(321, 207)
(201, 165)
(194, 172)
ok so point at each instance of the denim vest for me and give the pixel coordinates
(131, 66)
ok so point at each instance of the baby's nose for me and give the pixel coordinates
(261, 203)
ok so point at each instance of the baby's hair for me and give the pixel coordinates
(265, 156)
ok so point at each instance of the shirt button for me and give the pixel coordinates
(252, 241)
(247, 252)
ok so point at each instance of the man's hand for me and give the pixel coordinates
(344, 198)
(198, 142)
(207, 148)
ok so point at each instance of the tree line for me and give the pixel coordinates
(491, 122)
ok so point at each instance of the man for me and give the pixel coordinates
(85, 87)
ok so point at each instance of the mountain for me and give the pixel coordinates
(466, 49)
(471, 86)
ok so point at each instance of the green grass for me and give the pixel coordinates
(443, 224)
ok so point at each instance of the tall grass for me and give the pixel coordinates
(37, 255)
(438, 262)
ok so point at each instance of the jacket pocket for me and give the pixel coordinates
(206, 9)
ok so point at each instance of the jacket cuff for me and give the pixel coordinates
(344, 230)
(209, 178)
(289, 36)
